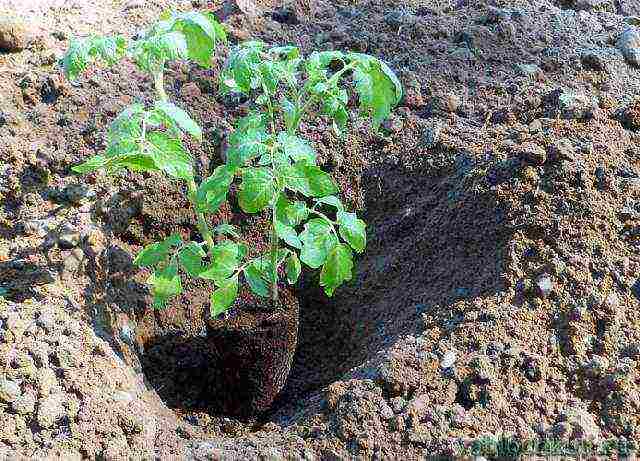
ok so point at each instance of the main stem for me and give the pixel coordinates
(273, 243)
(192, 188)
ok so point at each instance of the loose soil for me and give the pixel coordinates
(498, 295)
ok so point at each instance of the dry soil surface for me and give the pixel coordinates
(499, 293)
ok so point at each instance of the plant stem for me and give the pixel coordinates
(158, 81)
(273, 240)
(203, 227)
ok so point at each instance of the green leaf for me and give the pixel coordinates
(191, 258)
(82, 52)
(108, 49)
(180, 118)
(202, 33)
(337, 269)
(240, 70)
(257, 189)
(293, 268)
(297, 148)
(248, 140)
(133, 161)
(75, 60)
(223, 298)
(331, 200)
(165, 284)
(94, 163)
(290, 113)
(170, 155)
(157, 252)
(227, 229)
(288, 234)
(296, 212)
(378, 87)
(257, 280)
(318, 239)
(212, 191)
(225, 262)
(309, 180)
(353, 230)
(125, 131)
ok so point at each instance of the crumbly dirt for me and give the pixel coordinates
(498, 295)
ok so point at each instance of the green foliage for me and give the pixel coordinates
(269, 166)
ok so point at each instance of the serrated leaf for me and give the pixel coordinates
(165, 284)
(333, 201)
(108, 49)
(337, 269)
(125, 131)
(257, 189)
(212, 191)
(82, 52)
(241, 68)
(309, 180)
(318, 240)
(296, 212)
(180, 118)
(170, 155)
(248, 140)
(202, 32)
(353, 230)
(156, 252)
(256, 280)
(293, 268)
(225, 262)
(288, 234)
(76, 59)
(224, 297)
(297, 148)
(94, 163)
(227, 229)
(378, 88)
(191, 258)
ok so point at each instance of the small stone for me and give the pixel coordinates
(76, 193)
(68, 239)
(50, 411)
(574, 105)
(448, 360)
(9, 391)
(563, 149)
(595, 367)
(535, 126)
(532, 153)
(73, 261)
(629, 45)
(431, 135)
(531, 71)
(47, 380)
(25, 404)
(544, 285)
(14, 33)
(612, 302)
(451, 102)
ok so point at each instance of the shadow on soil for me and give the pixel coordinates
(431, 243)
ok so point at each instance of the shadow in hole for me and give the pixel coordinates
(431, 243)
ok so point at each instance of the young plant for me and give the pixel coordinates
(277, 169)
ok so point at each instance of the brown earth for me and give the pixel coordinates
(498, 295)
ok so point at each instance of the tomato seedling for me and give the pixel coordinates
(277, 170)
